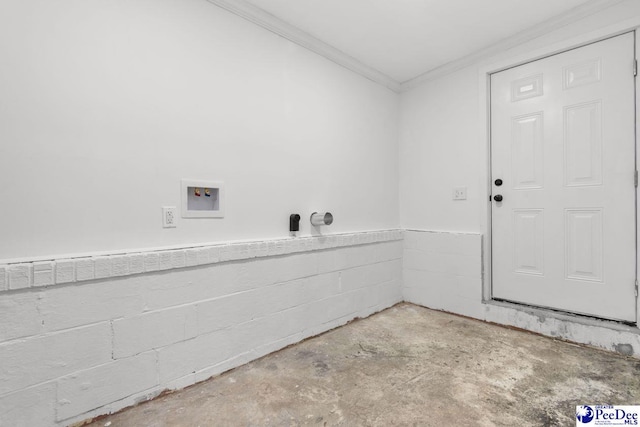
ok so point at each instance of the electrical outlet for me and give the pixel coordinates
(169, 216)
(460, 193)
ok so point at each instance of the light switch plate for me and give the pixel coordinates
(460, 193)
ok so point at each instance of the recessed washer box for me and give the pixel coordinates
(202, 199)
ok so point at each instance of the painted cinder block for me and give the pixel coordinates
(136, 263)
(165, 260)
(65, 271)
(253, 273)
(43, 273)
(243, 338)
(83, 391)
(261, 251)
(271, 248)
(352, 256)
(178, 360)
(417, 279)
(30, 407)
(225, 253)
(299, 245)
(295, 266)
(413, 259)
(68, 307)
(203, 256)
(151, 261)
(264, 301)
(111, 408)
(325, 260)
(102, 267)
(192, 257)
(4, 280)
(120, 265)
(283, 300)
(192, 285)
(388, 293)
(245, 357)
(445, 263)
(179, 383)
(382, 271)
(468, 244)
(214, 253)
(371, 274)
(342, 305)
(310, 289)
(240, 251)
(153, 330)
(307, 243)
(19, 316)
(221, 313)
(30, 361)
(85, 269)
(178, 259)
(444, 242)
(252, 249)
(353, 278)
(386, 251)
(20, 276)
(267, 271)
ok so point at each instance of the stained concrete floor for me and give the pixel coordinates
(405, 366)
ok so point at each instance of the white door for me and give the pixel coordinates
(563, 144)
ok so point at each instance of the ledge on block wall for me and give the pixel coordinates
(16, 276)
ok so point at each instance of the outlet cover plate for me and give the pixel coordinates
(169, 216)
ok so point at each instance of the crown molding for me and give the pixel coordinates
(277, 26)
(559, 21)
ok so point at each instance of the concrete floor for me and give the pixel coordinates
(404, 366)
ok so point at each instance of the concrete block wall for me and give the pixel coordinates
(444, 271)
(87, 336)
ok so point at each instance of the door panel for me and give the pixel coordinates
(583, 144)
(528, 239)
(527, 159)
(584, 251)
(563, 143)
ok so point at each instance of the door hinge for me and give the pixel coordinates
(636, 287)
(635, 178)
(635, 67)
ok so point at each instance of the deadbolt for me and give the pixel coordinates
(498, 182)
(497, 197)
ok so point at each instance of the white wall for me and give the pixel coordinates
(443, 144)
(106, 105)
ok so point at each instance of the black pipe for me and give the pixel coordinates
(294, 222)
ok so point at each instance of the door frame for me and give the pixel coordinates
(484, 85)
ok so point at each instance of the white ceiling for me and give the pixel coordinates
(399, 43)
